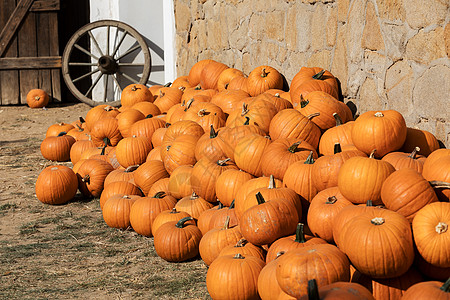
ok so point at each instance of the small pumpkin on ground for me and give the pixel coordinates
(56, 185)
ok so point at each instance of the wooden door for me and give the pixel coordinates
(29, 49)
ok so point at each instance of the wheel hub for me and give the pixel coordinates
(107, 64)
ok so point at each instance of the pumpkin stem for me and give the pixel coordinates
(182, 88)
(313, 290)
(331, 200)
(244, 109)
(161, 94)
(160, 195)
(231, 205)
(226, 224)
(439, 184)
(189, 103)
(277, 95)
(149, 116)
(226, 85)
(310, 159)
(173, 211)
(194, 196)
(238, 256)
(379, 114)
(247, 121)
(300, 234)
(264, 73)
(446, 286)
(414, 152)
(202, 112)
(441, 227)
(86, 178)
(271, 182)
(241, 243)
(82, 120)
(260, 198)
(37, 98)
(337, 148)
(212, 132)
(319, 75)
(338, 119)
(303, 102)
(180, 224)
(372, 154)
(62, 133)
(223, 161)
(131, 168)
(79, 127)
(377, 221)
(168, 84)
(108, 108)
(107, 141)
(369, 203)
(279, 254)
(220, 206)
(134, 88)
(309, 117)
(294, 146)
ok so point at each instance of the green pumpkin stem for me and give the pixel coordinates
(160, 195)
(313, 290)
(82, 120)
(338, 119)
(223, 161)
(241, 243)
(309, 117)
(247, 121)
(369, 203)
(264, 73)
(300, 234)
(303, 101)
(337, 148)
(260, 198)
(238, 256)
(414, 152)
(174, 211)
(180, 224)
(310, 159)
(168, 84)
(244, 109)
(319, 75)
(294, 146)
(62, 133)
(220, 206)
(149, 116)
(231, 205)
(331, 200)
(446, 286)
(212, 132)
(106, 141)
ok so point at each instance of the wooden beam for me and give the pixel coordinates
(45, 5)
(21, 63)
(13, 23)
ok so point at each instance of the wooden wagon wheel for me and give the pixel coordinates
(114, 61)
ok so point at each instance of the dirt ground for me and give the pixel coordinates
(67, 251)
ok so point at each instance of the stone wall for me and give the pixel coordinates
(387, 54)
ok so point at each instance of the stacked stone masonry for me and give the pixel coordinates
(387, 54)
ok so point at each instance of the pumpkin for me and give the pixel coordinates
(78, 148)
(249, 151)
(291, 123)
(145, 209)
(185, 127)
(135, 93)
(324, 208)
(167, 98)
(56, 185)
(180, 152)
(423, 139)
(294, 268)
(276, 100)
(432, 235)
(268, 287)
(311, 86)
(158, 136)
(226, 76)
(206, 114)
(147, 108)
(216, 239)
(361, 178)
(259, 112)
(210, 145)
(148, 173)
(429, 270)
(438, 173)
(168, 216)
(241, 273)
(298, 178)
(401, 160)
(37, 98)
(244, 248)
(228, 183)
(116, 211)
(196, 71)
(228, 100)
(406, 191)
(341, 133)
(377, 231)
(182, 81)
(313, 73)
(238, 83)
(338, 290)
(209, 76)
(121, 175)
(263, 78)
(79, 133)
(193, 205)
(287, 151)
(118, 187)
(298, 240)
(204, 220)
(180, 182)
(57, 148)
(177, 241)
(106, 128)
(132, 151)
(428, 290)
(99, 112)
(55, 129)
(126, 119)
(219, 217)
(381, 130)
(146, 127)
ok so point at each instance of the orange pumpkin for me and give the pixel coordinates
(37, 98)
(56, 185)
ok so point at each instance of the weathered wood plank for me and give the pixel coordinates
(43, 49)
(9, 30)
(9, 80)
(54, 51)
(45, 5)
(42, 62)
(27, 48)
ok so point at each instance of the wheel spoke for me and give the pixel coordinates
(85, 51)
(94, 84)
(129, 77)
(86, 75)
(82, 64)
(95, 43)
(105, 89)
(120, 42)
(130, 65)
(129, 51)
(107, 40)
(117, 83)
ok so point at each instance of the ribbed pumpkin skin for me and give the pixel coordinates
(144, 211)
(291, 123)
(180, 182)
(263, 78)
(248, 153)
(57, 148)
(196, 71)
(169, 216)
(147, 108)
(226, 76)
(401, 160)
(361, 178)
(135, 93)
(231, 136)
(210, 145)
(77, 149)
(268, 287)
(167, 98)
(298, 178)
(406, 191)
(118, 187)
(228, 183)
(148, 173)
(193, 205)
(91, 176)
(106, 128)
(344, 290)
(324, 262)
(56, 185)
(37, 98)
(388, 247)
(423, 139)
(100, 112)
(126, 119)
(181, 128)
(259, 113)
(146, 127)
(439, 171)
(180, 153)
(341, 134)
(244, 248)
(307, 73)
(210, 74)
(432, 235)
(384, 131)
(177, 244)
(55, 129)
(132, 151)
(116, 212)
(234, 278)
(309, 87)
(427, 290)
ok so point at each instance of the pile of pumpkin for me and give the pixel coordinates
(272, 188)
